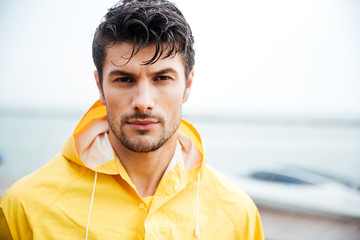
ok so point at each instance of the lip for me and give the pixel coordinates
(142, 124)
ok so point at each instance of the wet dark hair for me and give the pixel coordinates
(141, 23)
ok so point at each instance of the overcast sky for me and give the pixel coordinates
(281, 57)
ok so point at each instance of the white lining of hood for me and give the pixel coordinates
(177, 157)
(93, 144)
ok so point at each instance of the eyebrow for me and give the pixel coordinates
(125, 73)
(119, 72)
(166, 70)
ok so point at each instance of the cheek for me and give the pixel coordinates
(115, 97)
(174, 92)
(115, 104)
(173, 107)
(172, 98)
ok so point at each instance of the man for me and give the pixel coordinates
(133, 169)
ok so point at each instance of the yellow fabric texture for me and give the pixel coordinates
(54, 202)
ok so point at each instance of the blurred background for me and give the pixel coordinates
(276, 99)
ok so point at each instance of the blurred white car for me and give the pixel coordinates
(293, 188)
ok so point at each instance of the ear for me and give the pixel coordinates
(188, 86)
(102, 98)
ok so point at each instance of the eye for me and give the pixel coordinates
(162, 78)
(124, 80)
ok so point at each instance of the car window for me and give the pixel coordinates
(276, 177)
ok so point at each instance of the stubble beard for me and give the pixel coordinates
(144, 144)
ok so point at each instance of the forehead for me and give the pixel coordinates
(118, 55)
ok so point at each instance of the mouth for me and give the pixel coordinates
(142, 124)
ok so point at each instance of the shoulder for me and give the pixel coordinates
(221, 184)
(32, 194)
(227, 193)
(55, 172)
(237, 205)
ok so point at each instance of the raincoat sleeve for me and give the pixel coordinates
(14, 224)
(258, 231)
(4, 227)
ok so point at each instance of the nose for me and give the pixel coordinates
(142, 99)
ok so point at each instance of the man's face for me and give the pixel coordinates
(143, 101)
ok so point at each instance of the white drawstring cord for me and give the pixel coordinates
(91, 204)
(197, 230)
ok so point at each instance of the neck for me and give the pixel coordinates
(145, 169)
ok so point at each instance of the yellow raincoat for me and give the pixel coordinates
(85, 193)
